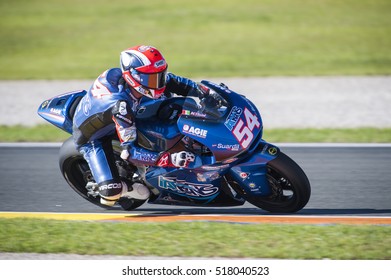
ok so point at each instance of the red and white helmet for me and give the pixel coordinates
(144, 69)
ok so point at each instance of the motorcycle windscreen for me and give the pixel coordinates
(226, 135)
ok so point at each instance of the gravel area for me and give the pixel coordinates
(284, 102)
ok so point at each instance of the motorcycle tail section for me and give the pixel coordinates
(59, 110)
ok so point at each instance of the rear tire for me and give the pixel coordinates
(77, 173)
(290, 187)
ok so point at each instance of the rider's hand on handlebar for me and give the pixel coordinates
(203, 91)
(209, 98)
(213, 100)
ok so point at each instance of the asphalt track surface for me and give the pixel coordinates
(350, 185)
(346, 180)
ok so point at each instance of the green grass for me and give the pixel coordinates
(196, 239)
(49, 133)
(55, 39)
(39, 133)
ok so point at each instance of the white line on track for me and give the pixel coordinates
(294, 145)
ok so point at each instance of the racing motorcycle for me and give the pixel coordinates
(233, 163)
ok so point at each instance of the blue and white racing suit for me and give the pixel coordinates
(109, 108)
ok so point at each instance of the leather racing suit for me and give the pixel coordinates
(109, 108)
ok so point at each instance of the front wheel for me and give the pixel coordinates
(289, 185)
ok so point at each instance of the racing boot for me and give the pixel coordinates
(110, 191)
(136, 191)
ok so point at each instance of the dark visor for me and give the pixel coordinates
(154, 80)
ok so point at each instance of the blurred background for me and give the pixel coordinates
(306, 64)
(78, 39)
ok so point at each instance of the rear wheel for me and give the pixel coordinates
(289, 185)
(77, 173)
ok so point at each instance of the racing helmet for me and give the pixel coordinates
(144, 69)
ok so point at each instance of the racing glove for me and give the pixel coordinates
(203, 91)
(213, 100)
(209, 99)
(181, 159)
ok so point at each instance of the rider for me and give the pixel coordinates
(110, 106)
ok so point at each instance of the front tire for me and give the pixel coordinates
(77, 173)
(289, 184)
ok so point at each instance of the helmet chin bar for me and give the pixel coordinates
(135, 93)
(139, 91)
(145, 91)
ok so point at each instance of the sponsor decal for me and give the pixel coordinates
(86, 105)
(243, 175)
(110, 186)
(233, 117)
(145, 157)
(234, 147)
(160, 63)
(124, 119)
(144, 48)
(164, 160)
(207, 176)
(45, 104)
(195, 131)
(55, 111)
(254, 187)
(144, 91)
(129, 81)
(188, 189)
(272, 151)
(216, 167)
(86, 108)
(122, 108)
(194, 114)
